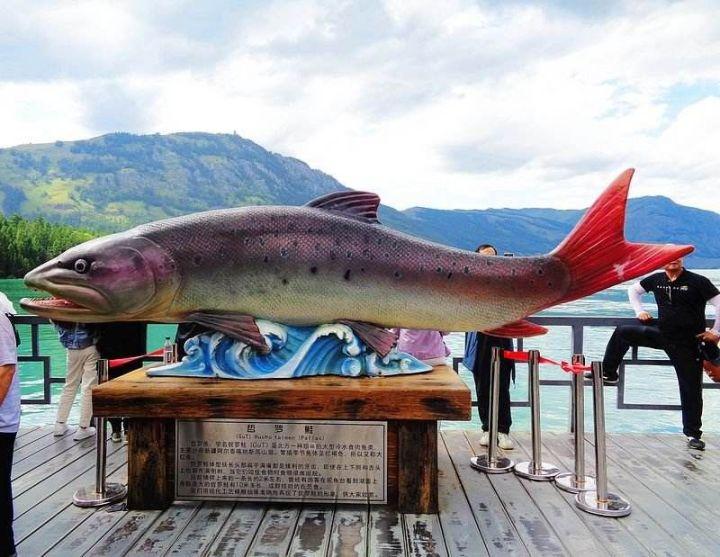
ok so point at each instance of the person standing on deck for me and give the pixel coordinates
(426, 345)
(82, 356)
(681, 297)
(9, 424)
(478, 355)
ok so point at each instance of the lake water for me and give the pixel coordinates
(649, 384)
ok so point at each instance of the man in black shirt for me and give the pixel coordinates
(681, 297)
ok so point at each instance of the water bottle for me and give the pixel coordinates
(168, 351)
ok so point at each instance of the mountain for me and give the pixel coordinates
(112, 182)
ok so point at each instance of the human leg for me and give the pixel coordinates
(7, 541)
(90, 358)
(72, 380)
(688, 368)
(622, 339)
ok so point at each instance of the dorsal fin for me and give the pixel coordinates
(360, 205)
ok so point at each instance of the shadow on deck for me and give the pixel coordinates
(673, 491)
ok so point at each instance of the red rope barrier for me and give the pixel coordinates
(522, 356)
(117, 362)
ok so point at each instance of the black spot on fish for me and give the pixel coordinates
(449, 276)
(284, 252)
(362, 269)
(261, 241)
(284, 281)
(246, 241)
(540, 272)
(266, 259)
(466, 270)
(439, 270)
(349, 255)
(398, 274)
(454, 264)
(379, 241)
(313, 270)
(387, 255)
(550, 284)
(346, 276)
(197, 259)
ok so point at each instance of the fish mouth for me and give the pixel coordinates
(74, 303)
(52, 304)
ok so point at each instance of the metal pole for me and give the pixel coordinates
(491, 463)
(600, 501)
(102, 492)
(577, 481)
(535, 469)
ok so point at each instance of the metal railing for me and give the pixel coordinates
(35, 355)
(577, 327)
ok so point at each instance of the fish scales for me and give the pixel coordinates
(303, 266)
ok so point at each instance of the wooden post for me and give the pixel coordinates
(417, 467)
(151, 463)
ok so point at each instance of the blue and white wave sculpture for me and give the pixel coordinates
(331, 349)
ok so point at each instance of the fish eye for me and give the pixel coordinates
(81, 266)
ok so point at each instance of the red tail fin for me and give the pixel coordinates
(596, 252)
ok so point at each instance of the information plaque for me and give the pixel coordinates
(292, 460)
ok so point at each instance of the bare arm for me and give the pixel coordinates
(7, 371)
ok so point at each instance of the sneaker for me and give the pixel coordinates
(83, 433)
(610, 380)
(504, 442)
(116, 437)
(695, 443)
(60, 429)
(484, 438)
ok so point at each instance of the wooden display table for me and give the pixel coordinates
(411, 405)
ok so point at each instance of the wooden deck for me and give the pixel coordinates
(674, 493)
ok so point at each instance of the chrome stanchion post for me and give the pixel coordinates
(600, 501)
(102, 492)
(535, 469)
(577, 481)
(491, 462)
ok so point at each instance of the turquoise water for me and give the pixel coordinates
(654, 384)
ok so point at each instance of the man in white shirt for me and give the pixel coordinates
(9, 423)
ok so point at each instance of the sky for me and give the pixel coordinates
(453, 104)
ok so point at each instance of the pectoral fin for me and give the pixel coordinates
(237, 326)
(518, 329)
(378, 339)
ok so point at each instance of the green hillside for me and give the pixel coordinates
(119, 180)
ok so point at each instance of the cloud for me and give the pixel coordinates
(453, 104)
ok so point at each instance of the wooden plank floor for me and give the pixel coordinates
(673, 491)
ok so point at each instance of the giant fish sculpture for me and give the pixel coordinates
(330, 261)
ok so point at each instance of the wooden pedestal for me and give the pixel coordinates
(411, 405)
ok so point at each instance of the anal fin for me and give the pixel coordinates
(237, 326)
(518, 329)
(375, 337)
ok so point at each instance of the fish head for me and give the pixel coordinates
(121, 277)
